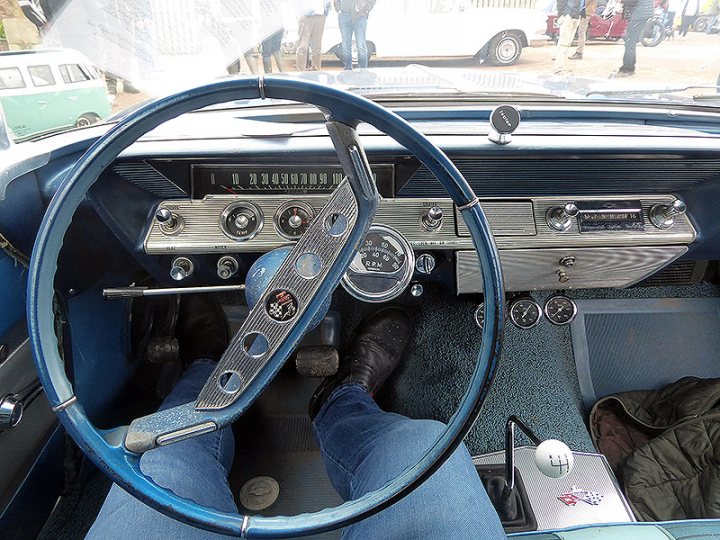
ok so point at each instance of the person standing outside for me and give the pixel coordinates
(587, 10)
(690, 11)
(637, 13)
(311, 28)
(352, 18)
(714, 14)
(567, 23)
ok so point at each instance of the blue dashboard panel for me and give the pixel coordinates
(13, 285)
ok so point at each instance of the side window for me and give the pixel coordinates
(73, 73)
(41, 75)
(11, 78)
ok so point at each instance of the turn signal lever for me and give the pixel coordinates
(552, 457)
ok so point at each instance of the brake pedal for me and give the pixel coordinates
(317, 361)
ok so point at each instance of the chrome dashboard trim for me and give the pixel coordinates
(517, 223)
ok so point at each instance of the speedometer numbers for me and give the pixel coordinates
(382, 268)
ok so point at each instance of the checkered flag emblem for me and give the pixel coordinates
(275, 310)
(592, 497)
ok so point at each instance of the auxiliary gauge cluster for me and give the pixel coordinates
(525, 313)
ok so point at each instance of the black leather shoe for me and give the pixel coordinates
(374, 352)
(202, 328)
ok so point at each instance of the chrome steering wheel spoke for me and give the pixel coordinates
(272, 330)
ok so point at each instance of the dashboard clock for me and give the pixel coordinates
(560, 310)
(525, 312)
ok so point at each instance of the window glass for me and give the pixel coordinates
(73, 73)
(41, 75)
(11, 78)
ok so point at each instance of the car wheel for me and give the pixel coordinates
(87, 119)
(700, 24)
(504, 49)
(653, 34)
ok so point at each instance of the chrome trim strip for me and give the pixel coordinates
(65, 404)
(245, 525)
(261, 86)
(185, 433)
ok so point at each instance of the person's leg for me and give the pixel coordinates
(316, 42)
(636, 25)
(360, 26)
(195, 469)
(346, 32)
(581, 37)
(684, 25)
(711, 22)
(364, 447)
(251, 60)
(304, 33)
(567, 26)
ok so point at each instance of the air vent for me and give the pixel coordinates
(677, 273)
(148, 178)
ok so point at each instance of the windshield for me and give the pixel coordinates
(73, 63)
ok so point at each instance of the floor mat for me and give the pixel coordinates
(644, 344)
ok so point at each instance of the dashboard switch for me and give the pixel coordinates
(170, 222)
(432, 220)
(663, 215)
(227, 267)
(425, 263)
(182, 268)
(560, 218)
(11, 411)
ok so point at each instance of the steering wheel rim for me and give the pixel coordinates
(106, 449)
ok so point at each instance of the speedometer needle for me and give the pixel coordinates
(230, 190)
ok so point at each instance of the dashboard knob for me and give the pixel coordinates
(425, 263)
(433, 218)
(663, 215)
(227, 267)
(560, 217)
(170, 223)
(182, 268)
(11, 411)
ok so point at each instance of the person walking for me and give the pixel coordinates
(674, 7)
(714, 11)
(353, 17)
(637, 13)
(690, 11)
(587, 10)
(567, 23)
(310, 32)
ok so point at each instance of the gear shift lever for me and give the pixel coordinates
(552, 457)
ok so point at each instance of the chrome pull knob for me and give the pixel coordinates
(11, 411)
(182, 268)
(227, 267)
(433, 218)
(663, 215)
(170, 223)
(560, 218)
(425, 263)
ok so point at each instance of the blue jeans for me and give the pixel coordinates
(711, 22)
(363, 448)
(348, 26)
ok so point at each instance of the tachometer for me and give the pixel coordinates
(382, 268)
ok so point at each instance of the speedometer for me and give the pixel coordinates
(382, 268)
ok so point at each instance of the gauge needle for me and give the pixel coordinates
(526, 312)
(230, 190)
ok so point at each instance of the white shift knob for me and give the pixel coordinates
(554, 458)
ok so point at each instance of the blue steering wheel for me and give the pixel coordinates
(308, 276)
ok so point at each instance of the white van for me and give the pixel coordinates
(46, 90)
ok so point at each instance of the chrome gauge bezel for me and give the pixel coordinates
(479, 315)
(248, 206)
(563, 297)
(404, 279)
(286, 205)
(512, 315)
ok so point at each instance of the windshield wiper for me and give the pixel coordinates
(648, 91)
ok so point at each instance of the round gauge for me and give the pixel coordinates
(293, 218)
(241, 220)
(382, 268)
(560, 310)
(525, 313)
(480, 315)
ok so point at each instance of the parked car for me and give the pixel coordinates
(401, 30)
(51, 89)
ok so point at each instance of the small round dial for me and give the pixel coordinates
(241, 221)
(525, 313)
(560, 310)
(480, 315)
(382, 267)
(293, 218)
